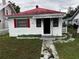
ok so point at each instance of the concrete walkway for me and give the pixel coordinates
(48, 50)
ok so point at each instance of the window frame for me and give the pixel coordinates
(25, 23)
(38, 22)
(64, 24)
(7, 12)
(55, 22)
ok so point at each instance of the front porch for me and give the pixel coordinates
(50, 26)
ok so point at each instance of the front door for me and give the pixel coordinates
(46, 23)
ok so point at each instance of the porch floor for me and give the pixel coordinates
(47, 38)
(50, 37)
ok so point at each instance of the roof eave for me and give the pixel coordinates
(21, 16)
(10, 3)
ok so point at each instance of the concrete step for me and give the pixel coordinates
(47, 38)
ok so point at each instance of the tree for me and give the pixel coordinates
(17, 8)
(70, 13)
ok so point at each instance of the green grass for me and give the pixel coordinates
(69, 50)
(12, 48)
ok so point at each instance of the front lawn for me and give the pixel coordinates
(68, 50)
(12, 48)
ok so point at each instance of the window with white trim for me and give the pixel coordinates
(55, 22)
(38, 22)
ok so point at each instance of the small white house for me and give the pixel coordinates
(6, 8)
(38, 21)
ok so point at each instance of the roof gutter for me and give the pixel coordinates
(42, 15)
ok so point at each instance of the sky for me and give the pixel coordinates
(60, 5)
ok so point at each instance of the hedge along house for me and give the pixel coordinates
(38, 21)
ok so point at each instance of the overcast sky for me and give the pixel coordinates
(50, 4)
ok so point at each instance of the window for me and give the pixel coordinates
(3, 11)
(21, 23)
(6, 12)
(0, 20)
(38, 22)
(64, 24)
(55, 22)
(75, 20)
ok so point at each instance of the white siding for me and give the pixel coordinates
(3, 23)
(57, 31)
(1, 18)
(9, 10)
(9, 13)
(78, 30)
(74, 20)
(24, 31)
(77, 17)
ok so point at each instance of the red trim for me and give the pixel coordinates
(28, 23)
(14, 23)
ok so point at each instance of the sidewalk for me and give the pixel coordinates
(48, 50)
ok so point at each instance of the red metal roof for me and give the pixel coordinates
(36, 11)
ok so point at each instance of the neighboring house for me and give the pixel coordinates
(38, 21)
(75, 19)
(5, 9)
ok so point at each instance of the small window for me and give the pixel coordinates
(0, 20)
(3, 11)
(38, 22)
(21, 22)
(64, 24)
(76, 20)
(6, 12)
(55, 22)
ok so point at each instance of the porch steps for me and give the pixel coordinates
(47, 38)
(47, 45)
